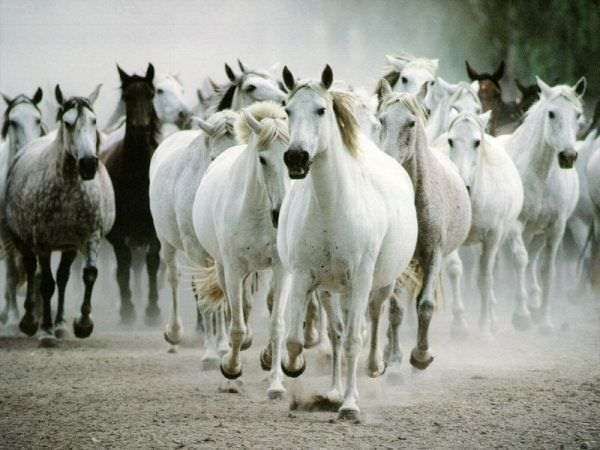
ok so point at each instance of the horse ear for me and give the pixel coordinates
(392, 78)
(545, 90)
(473, 75)
(230, 73)
(327, 77)
(288, 78)
(204, 125)
(200, 96)
(241, 66)
(383, 89)
(150, 73)
(94, 95)
(7, 99)
(123, 76)
(37, 97)
(396, 61)
(254, 124)
(499, 73)
(448, 87)
(580, 87)
(58, 95)
(484, 118)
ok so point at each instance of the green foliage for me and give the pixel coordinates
(558, 40)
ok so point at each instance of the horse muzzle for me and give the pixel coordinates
(567, 158)
(88, 167)
(297, 162)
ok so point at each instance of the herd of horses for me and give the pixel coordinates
(331, 199)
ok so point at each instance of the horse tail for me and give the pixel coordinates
(412, 280)
(207, 290)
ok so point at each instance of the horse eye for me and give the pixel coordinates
(94, 121)
(477, 143)
(38, 121)
(12, 123)
(159, 91)
(262, 160)
(321, 111)
(411, 124)
(432, 83)
(282, 102)
(551, 114)
(450, 142)
(250, 88)
(404, 80)
(382, 121)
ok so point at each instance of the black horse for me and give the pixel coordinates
(128, 163)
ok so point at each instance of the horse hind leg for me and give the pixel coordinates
(62, 278)
(11, 312)
(521, 318)
(392, 353)
(47, 338)
(174, 330)
(83, 326)
(29, 323)
(152, 265)
(421, 357)
(123, 256)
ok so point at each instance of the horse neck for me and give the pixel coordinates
(332, 176)
(438, 121)
(140, 142)
(419, 161)
(533, 156)
(253, 195)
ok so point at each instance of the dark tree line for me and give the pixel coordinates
(559, 40)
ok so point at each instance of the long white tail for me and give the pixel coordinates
(206, 288)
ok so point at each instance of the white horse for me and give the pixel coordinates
(176, 169)
(543, 149)
(235, 214)
(22, 123)
(593, 181)
(443, 208)
(349, 227)
(496, 193)
(406, 73)
(446, 101)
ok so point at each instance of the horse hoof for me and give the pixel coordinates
(29, 327)
(172, 336)
(230, 376)
(152, 317)
(294, 373)
(521, 322)
(420, 363)
(275, 394)
(83, 327)
(378, 372)
(349, 415)
(265, 360)
(127, 316)
(247, 342)
(60, 331)
(48, 340)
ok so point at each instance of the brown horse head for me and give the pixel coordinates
(529, 95)
(490, 91)
(137, 92)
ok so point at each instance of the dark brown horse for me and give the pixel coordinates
(505, 116)
(529, 95)
(128, 163)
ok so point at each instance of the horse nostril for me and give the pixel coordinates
(469, 190)
(295, 158)
(87, 167)
(182, 115)
(275, 217)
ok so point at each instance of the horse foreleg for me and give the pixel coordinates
(549, 272)
(251, 288)
(152, 265)
(358, 301)
(454, 268)
(47, 338)
(123, 256)
(29, 323)
(489, 252)
(521, 317)
(11, 312)
(392, 353)
(62, 278)
(377, 365)
(276, 389)
(335, 329)
(534, 248)
(231, 366)
(300, 295)
(174, 330)
(83, 326)
(420, 356)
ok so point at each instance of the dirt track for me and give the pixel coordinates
(123, 390)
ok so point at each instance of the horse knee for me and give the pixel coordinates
(454, 269)
(89, 275)
(396, 313)
(425, 308)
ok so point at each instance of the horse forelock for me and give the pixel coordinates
(343, 109)
(273, 119)
(74, 102)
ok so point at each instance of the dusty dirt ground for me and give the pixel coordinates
(121, 389)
